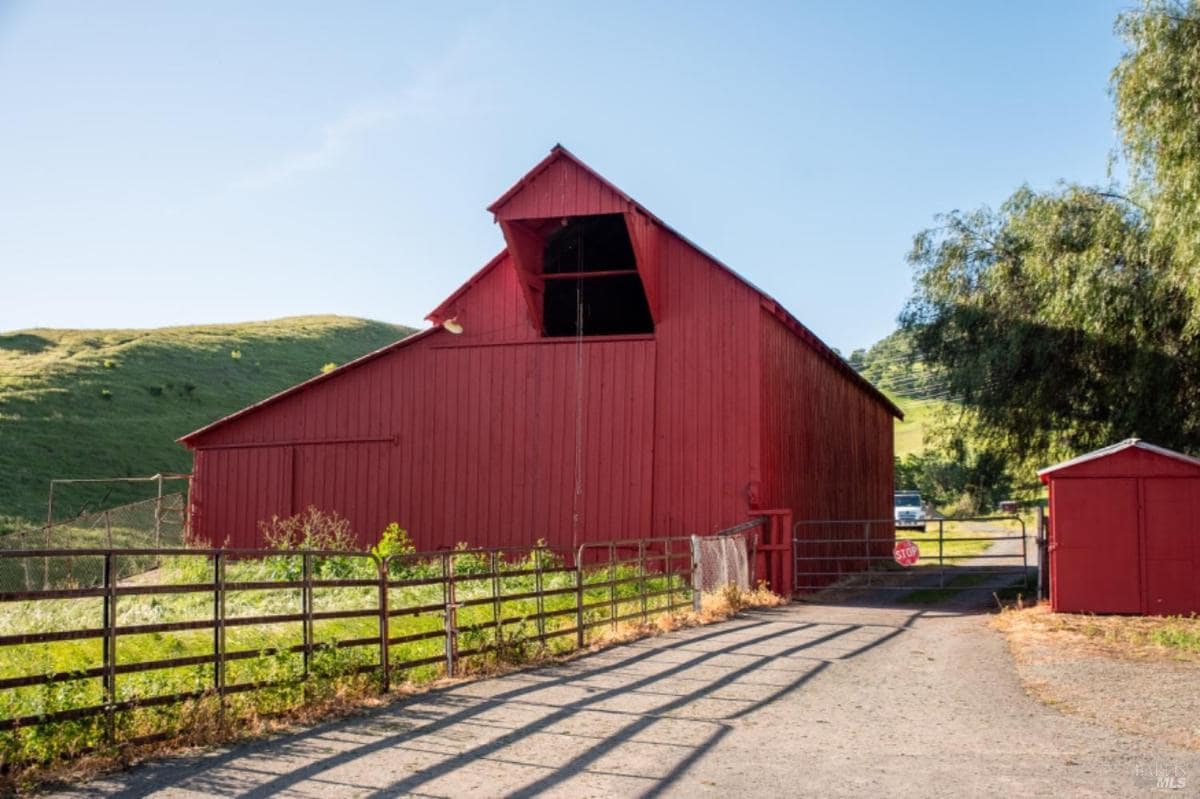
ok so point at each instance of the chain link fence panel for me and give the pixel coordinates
(147, 524)
(721, 561)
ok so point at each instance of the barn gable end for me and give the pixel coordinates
(497, 428)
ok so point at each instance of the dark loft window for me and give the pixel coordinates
(592, 286)
(588, 244)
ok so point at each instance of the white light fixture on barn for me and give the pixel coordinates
(453, 326)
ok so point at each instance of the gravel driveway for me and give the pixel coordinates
(807, 700)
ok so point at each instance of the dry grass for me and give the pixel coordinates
(204, 728)
(1131, 637)
(1130, 673)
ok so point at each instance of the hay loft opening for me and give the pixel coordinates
(592, 286)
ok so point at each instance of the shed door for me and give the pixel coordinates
(1172, 531)
(1094, 525)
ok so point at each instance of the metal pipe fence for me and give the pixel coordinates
(859, 553)
(225, 626)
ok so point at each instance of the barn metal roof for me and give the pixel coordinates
(1112, 449)
(359, 361)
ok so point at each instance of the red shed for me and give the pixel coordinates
(1125, 531)
(601, 378)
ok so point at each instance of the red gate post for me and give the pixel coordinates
(777, 550)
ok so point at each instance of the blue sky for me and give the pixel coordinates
(177, 163)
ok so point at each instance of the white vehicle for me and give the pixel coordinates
(909, 512)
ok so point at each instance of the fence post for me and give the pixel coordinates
(496, 601)
(1024, 555)
(642, 579)
(108, 527)
(306, 612)
(46, 562)
(1041, 540)
(541, 600)
(219, 634)
(612, 586)
(109, 653)
(385, 663)
(158, 513)
(695, 556)
(941, 550)
(784, 536)
(669, 552)
(451, 615)
(867, 544)
(579, 597)
(50, 506)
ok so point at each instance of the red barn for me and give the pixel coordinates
(1125, 531)
(601, 378)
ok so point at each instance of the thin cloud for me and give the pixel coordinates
(447, 86)
(337, 139)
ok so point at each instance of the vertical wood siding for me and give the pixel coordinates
(706, 418)
(561, 189)
(827, 445)
(474, 438)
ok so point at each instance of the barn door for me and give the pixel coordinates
(1094, 552)
(1171, 535)
(236, 489)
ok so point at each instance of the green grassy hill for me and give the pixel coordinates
(918, 414)
(893, 366)
(104, 403)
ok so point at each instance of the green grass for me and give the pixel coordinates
(105, 403)
(1179, 635)
(918, 417)
(953, 547)
(331, 665)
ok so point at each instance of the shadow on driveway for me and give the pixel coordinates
(627, 721)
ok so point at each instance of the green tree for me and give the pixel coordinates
(1156, 88)
(1070, 318)
(1056, 322)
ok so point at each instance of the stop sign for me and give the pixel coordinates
(906, 552)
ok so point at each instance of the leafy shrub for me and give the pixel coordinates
(105, 394)
(235, 354)
(312, 529)
(329, 367)
(394, 542)
(109, 363)
(467, 562)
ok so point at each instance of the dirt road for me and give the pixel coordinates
(808, 700)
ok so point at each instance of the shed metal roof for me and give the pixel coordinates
(1104, 452)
